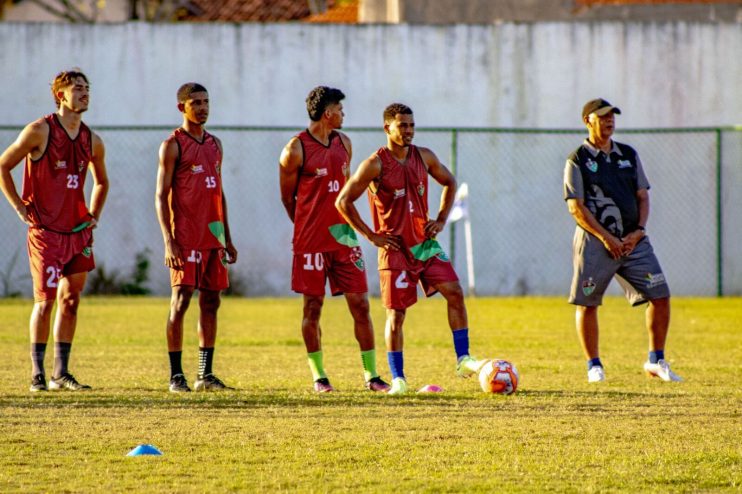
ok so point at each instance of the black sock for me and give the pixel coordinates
(61, 358)
(205, 358)
(175, 363)
(38, 350)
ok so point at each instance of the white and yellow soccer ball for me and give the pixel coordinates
(499, 376)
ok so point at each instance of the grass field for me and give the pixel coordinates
(273, 434)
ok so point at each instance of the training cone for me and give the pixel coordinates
(144, 449)
(430, 388)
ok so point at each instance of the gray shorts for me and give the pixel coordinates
(639, 273)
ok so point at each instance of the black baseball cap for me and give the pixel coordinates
(598, 106)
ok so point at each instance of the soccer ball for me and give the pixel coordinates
(499, 376)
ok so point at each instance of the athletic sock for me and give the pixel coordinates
(315, 365)
(176, 366)
(656, 356)
(461, 342)
(368, 358)
(593, 362)
(61, 358)
(38, 351)
(205, 359)
(396, 364)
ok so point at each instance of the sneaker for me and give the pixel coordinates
(322, 385)
(67, 381)
(662, 370)
(596, 374)
(377, 384)
(178, 384)
(38, 383)
(210, 383)
(399, 386)
(468, 366)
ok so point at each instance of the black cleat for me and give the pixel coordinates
(210, 383)
(377, 384)
(178, 384)
(38, 383)
(67, 381)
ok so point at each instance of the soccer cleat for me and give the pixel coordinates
(596, 374)
(377, 384)
(322, 385)
(210, 383)
(67, 381)
(38, 383)
(468, 365)
(178, 384)
(662, 370)
(399, 386)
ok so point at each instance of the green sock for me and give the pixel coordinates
(369, 364)
(315, 365)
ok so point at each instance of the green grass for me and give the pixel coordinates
(557, 433)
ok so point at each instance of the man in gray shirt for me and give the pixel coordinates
(607, 195)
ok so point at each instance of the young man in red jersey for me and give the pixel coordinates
(396, 176)
(192, 211)
(313, 168)
(59, 149)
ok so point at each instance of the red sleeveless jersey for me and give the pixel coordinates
(53, 185)
(196, 193)
(318, 226)
(399, 206)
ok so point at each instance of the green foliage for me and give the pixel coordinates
(8, 278)
(558, 433)
(104, 282)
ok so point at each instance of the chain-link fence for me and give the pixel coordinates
(521, 229)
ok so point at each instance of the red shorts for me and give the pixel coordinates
(203, 269)
(52, 256)
(399, 287)
(345, 268)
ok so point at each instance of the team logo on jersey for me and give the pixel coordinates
(592, 165)
(218, 168)
(60, 165)
(195, 169)
(588, 287)
(420, 189)
(346, 170)
(654, 280)
(356, 257)
(321, 172)
(399, 193)
(81, 166)
(624, 164)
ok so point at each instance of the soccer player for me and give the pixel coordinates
(314, 166)
(396, 176)
(607, 194)
(192, 211)
(59, 150)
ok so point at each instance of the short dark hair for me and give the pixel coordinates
(185, 91)
(391, 111)
(65, 79)
(320, 98)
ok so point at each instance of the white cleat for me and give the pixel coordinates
(596, 374)
(662, 370)
(399, 386)
(468, 366)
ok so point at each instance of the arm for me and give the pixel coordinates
(354, 187)
(290, 162)
(631, 239)
(585, 219)
(444, 177)
(31, 140)
(100, 180)
(165, 173)
(229, 247)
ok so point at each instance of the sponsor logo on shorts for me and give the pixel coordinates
(592, 165)
(195, 169)
(588, 287)
(60, 165)
(87, 251)
(399, 193)
(356, 256)
(420, 189)
(321, 172)
(624, 164)
(654, 280)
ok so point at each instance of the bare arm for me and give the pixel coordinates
(31, 140)
(354, 187)
(444, 177)
(228, 245)
(290, 162)
(632, 238)
(589, 223)
(100, 180)
(165, 173)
